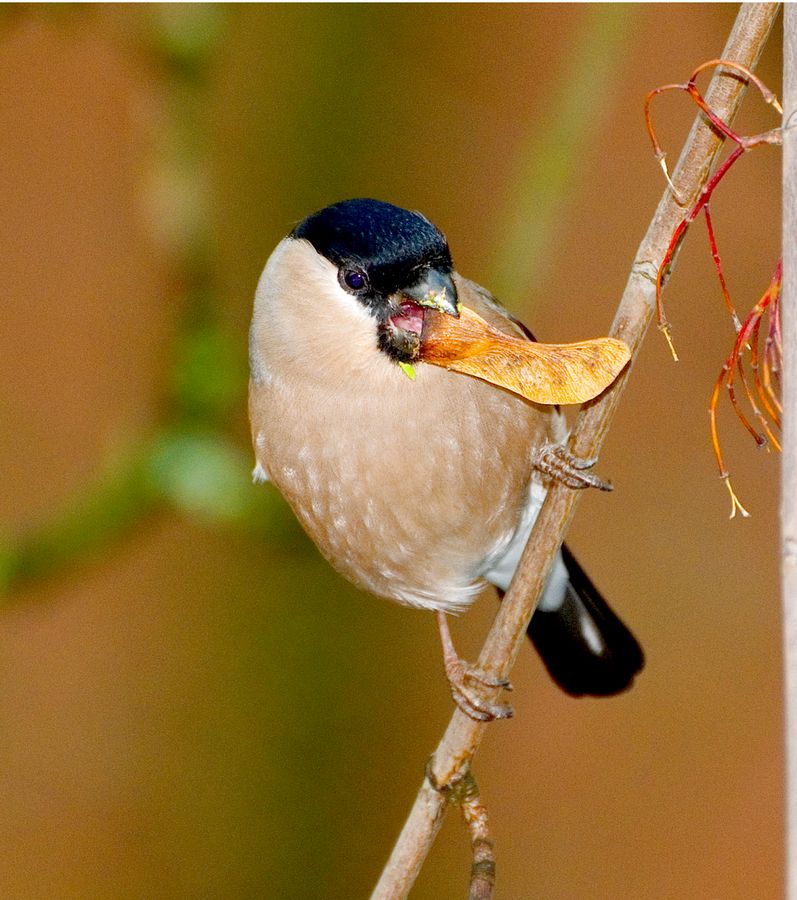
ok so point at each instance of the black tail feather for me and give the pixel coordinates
(585, 646)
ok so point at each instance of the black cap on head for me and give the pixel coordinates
(387, 242)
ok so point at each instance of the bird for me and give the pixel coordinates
(418, 482)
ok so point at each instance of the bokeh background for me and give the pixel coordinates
(192, 704)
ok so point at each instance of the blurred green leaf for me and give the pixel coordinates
(204, 475)
(7, 556)
(209, 374)
(548, 168)
(119, 498)
(185, 33)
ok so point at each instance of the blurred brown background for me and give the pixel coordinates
(192, 704)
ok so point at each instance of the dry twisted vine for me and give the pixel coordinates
(451, 760)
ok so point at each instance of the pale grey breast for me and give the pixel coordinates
(407, 490)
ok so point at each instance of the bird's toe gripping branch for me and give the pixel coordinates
(467, 682)
(559, 463)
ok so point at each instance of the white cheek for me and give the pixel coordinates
(305, 272)
(340, 309)
(304, 313)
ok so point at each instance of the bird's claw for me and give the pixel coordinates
(475, 673)
(559, 463)
(464, 679)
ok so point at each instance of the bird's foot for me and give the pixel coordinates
(559, 463)
(466, 680)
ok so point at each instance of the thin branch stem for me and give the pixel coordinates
(788, 511)
(482, 872)
(462, 737)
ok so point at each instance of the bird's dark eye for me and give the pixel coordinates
(354, 281)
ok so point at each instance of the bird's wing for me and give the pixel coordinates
(481, 301)
(488, 342)
(503, 568)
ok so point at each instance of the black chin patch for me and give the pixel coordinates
(402, 346)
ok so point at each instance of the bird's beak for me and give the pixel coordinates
(435, 291)
(542, 373)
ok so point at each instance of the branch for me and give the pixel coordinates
(788, 312)
(452, 757)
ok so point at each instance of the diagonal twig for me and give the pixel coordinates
(788, 509)
(451, 759)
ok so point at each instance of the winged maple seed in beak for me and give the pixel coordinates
(435, 290)
(542, 373)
